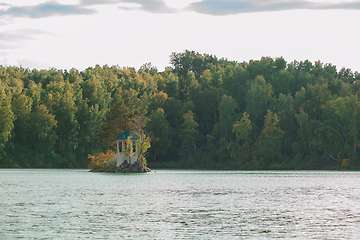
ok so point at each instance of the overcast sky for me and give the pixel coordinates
(67, 34)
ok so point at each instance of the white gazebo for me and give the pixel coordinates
(121, 156)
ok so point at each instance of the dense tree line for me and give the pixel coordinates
(201, 112)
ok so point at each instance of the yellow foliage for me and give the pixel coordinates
(160, 97)
(100, 159)
(345, 162)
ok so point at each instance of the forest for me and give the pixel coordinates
(201, 112)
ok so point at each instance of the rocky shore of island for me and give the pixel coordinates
(125, 167)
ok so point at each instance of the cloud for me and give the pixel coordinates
(5, 61)
(153, 6)
(26, 63)
(12, 39)
(49, 9)
(354, 6)
(45, 10)
(210, 7)
(219, 7)
(98, 2)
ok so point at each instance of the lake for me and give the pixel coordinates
(179, 204)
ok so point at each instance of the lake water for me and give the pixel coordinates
(182, 204)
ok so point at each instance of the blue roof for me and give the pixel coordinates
(125, 135)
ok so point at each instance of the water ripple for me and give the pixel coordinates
(69, 204)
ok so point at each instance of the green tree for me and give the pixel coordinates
(22, 106)
(187, 84)
(205, 108)
(61, 102)
(312, 99)
(94, 126)
(340, 129)
(7, 118)
(143, 145)
(258, 99)
(160, 132)
(243, 130)
(227, 116)
(284, 107)
(42, 133)
(168, 82)
(126, 113)
(188, 136)
(234, 83)
(303, 144)
(228, 113)
(157, 101)
(270, 141)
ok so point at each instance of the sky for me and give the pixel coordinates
(67, 34)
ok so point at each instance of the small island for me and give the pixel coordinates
(126, 160)
(125, 167)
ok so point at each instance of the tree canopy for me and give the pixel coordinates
(201, 112)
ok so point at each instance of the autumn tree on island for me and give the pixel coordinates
(126, 113)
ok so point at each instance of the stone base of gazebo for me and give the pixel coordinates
(111, 160)
(121, 159)
(125, 167)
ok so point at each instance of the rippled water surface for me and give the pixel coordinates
(69, 204)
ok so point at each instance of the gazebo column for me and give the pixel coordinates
(117, 148)
(136, 148)
(122, 147)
